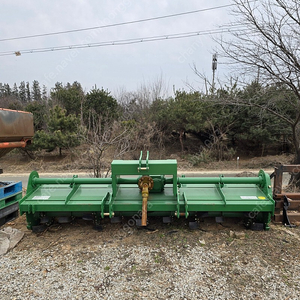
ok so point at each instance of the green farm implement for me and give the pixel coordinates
(145, 188)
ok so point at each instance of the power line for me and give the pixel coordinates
(121, 42)
(116, 24)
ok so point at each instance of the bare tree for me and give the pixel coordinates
(142, 99)
(103, 138)
(136, 112)
(268, 46)
(203, 77)
(11, 102)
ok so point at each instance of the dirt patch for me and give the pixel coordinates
(19, 162)
(80, 234)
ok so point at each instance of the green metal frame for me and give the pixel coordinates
(143, 167)
(172, 196)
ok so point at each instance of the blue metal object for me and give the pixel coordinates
(10, 194)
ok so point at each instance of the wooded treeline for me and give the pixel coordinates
(229, 122)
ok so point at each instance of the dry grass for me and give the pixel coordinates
(17, 161)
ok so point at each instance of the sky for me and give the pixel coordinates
(113, 67)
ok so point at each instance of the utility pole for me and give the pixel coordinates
(214, 68)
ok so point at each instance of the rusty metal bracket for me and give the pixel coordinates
(287, 206)
(286, 221)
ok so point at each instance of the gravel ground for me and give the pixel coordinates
(73, 261)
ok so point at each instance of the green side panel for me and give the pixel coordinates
(233, 197)
(51, 197)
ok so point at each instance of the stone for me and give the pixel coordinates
(9, 238)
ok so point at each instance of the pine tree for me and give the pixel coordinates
(36, 91)
(100, 105)
(69, 97)
(7, 88)
(44, 94)
(22, 92)
(61, 133)
(39, 111)
(15, 91)
(28, 95)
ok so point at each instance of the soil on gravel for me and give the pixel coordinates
(81, 234)
(164, 261)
